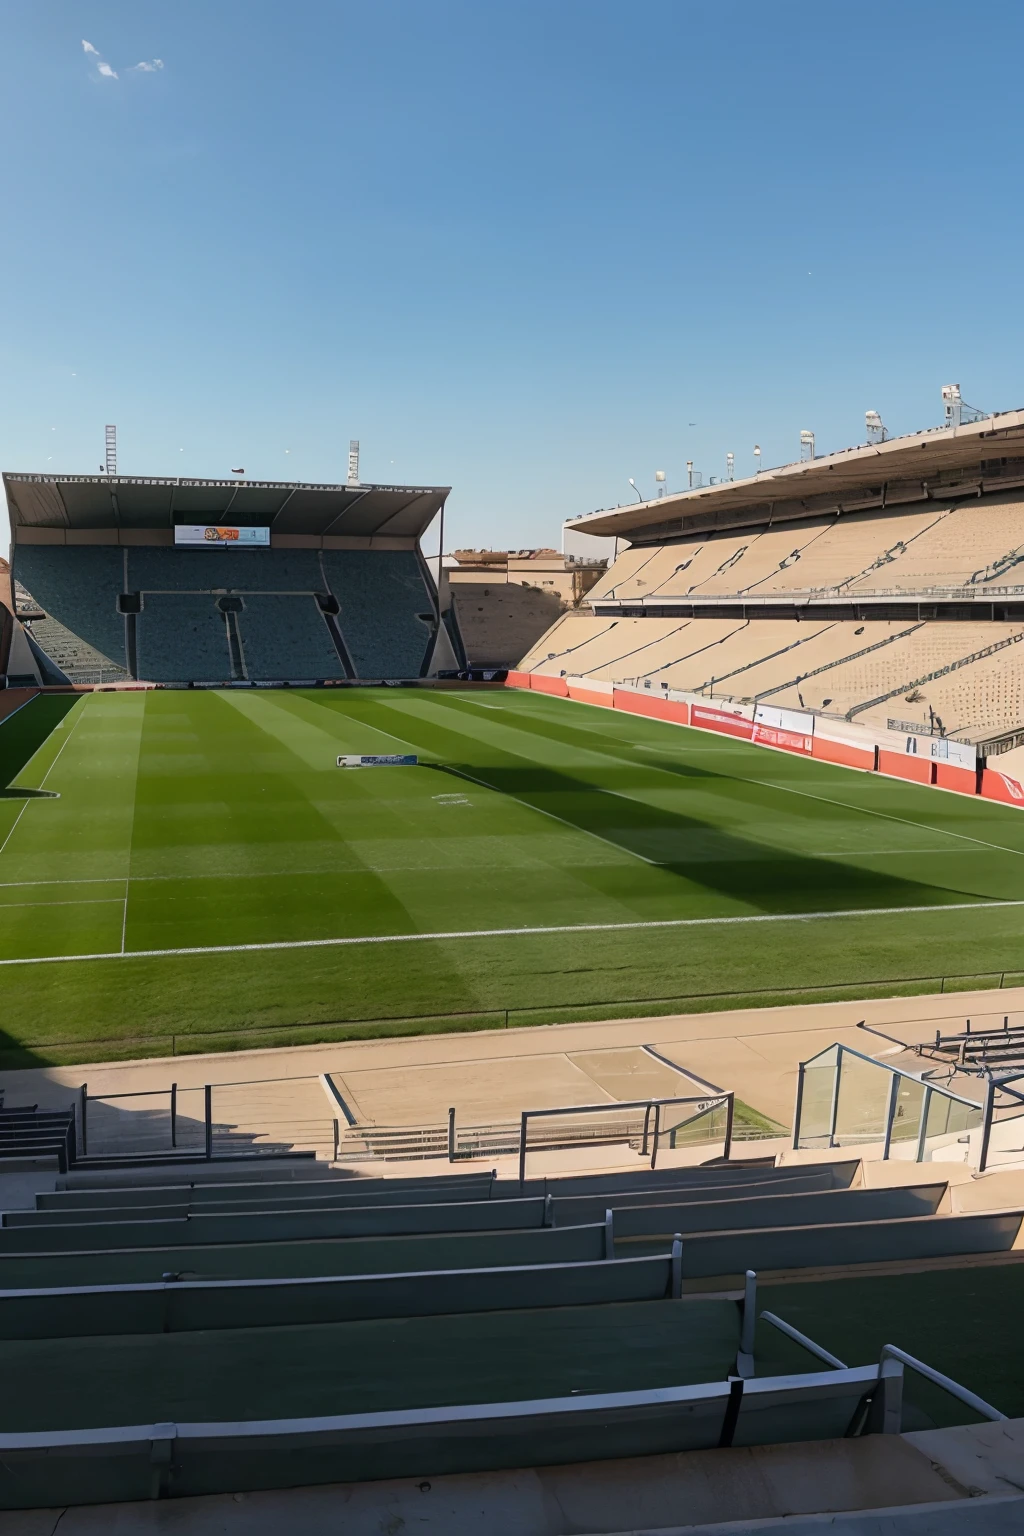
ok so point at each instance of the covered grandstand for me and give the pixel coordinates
(883, 585)
(326, 582)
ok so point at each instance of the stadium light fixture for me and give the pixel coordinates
(634, 485)
(730, 466)
(806, 446)
(757, 458)
(659, 478)
(877, 431)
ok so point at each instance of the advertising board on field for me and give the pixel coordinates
(708, 719)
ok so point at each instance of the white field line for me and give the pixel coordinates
(46, 775)
(789, 789)
(769, 849)
(619, 847)
(84, 901)
(499, 933)
(124, 919)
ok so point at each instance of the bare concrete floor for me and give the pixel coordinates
(494, 1075)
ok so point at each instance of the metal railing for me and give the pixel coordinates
(900, 1356)
(189, 1123)
(641, 1131)
(877, 1108)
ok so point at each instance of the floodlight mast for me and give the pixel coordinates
(877, 431)
(659, 480)
(956, 411)
(353, 461)
(730, 466)
(111, 446)
(806, 447)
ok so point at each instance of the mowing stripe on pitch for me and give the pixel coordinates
(502, 933)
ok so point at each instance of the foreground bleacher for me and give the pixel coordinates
(243, 1330)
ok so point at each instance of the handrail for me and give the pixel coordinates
(971, 1399)
(706, 1101)
(808, 1344)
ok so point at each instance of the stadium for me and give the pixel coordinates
(582, 1095)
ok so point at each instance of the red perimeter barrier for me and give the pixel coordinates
(904, 765)
(590, 696)
(652, 707)
(952, 776)
(518, 680)
(842, 752)
(556, 685)
(999, 786)
(707, 719)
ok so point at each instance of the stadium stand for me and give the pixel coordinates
(340, 591)
(256, 1333)
(876, 586)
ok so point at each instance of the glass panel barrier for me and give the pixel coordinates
(819, 1079)
(906, 1125)
(863, 1102)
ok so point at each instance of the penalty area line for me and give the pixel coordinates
(502, 933)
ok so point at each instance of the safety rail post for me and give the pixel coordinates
(522, 1147)
(834, 1111)
(174, 1114)
(609, 1234)
(657, 1131)
(337, 1138)
(83, 1096)
(986, 1124)
(451, 1134)
(676, 1284)
(798, 1107)
(748, 1321)
(647, 1127)
(922, 1135)
(890, 1115)
(730, 1111)
(208, 1117)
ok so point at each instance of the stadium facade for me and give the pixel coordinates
(872, 599)
(162, 580)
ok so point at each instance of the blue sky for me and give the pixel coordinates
(528, 249)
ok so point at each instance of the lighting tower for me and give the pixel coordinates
(806, 447)
(730, 466)
(877, 432)
(659, 480)
(956, 410)
(111, 436)
(353, 461)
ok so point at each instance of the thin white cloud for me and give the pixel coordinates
(105, 70)
(88, 48)
(147, 67)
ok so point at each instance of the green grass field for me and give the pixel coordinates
(189, 871)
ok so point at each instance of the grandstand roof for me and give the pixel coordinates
(985, 455)
(152, 501)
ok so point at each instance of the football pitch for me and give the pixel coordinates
(190, 870)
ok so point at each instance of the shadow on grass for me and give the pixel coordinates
(703, 853)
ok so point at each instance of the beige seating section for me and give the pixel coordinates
(983, 699)
(910, 655)
(849, 548)
(760, 565)
(630, 574)
(812, 645)
(964, 543)
(571, 630)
